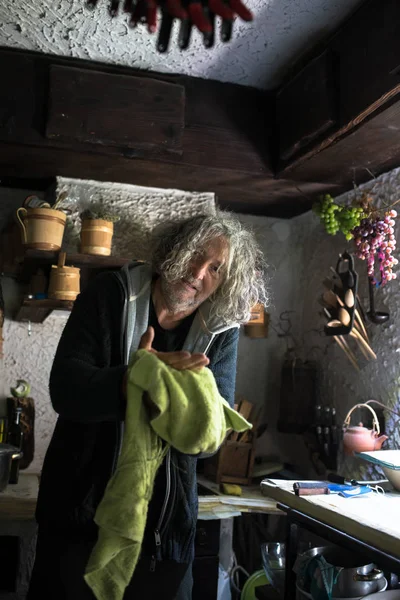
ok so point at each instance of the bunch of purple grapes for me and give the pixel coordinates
(375, 237)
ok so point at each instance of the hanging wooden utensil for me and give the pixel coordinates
(367, 347)
(344, 275)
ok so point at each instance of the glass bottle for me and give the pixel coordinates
(15, 437)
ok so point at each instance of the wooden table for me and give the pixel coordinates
(369, 525)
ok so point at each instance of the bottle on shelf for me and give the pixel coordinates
(15, 437)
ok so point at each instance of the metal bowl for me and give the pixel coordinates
(302, 594)
(356, 577)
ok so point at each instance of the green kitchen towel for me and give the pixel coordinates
(188, 414)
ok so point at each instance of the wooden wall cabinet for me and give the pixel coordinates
(339, 113)
(307, 106)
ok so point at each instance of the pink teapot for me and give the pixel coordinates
(359, 438)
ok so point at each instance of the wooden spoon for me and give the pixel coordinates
(344, 317)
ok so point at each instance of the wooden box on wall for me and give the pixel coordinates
(233, 463)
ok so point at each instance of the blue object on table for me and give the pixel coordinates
(356, 490)
(349, 491)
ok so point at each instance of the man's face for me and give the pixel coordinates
(204, 275)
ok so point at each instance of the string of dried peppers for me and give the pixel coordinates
(191, 13)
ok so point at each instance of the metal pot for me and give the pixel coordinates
(8, 453)
(356, 578)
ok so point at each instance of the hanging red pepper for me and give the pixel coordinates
(175, 9)
(196, 14)
(200, 13)
(220, 8)
(238, 7)
(151, 16)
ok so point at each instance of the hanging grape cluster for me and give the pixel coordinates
(336, 217)
(373, 233)
(375, 236)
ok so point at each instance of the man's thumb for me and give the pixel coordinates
(146, 340)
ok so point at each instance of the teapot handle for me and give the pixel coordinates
(376, 422)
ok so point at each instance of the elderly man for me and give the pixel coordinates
(186, 307)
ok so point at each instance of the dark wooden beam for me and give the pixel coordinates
(226, 125)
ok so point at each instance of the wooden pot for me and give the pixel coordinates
(64, 281)
(41, 228)
(96, 237)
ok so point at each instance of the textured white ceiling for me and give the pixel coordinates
(258, 54)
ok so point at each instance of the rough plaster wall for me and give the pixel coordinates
(139, 209)
(342, 385)
(258, 55)
(30, 356)
(260, 360)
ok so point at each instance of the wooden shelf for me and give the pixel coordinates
(36, 311)
(36, 259)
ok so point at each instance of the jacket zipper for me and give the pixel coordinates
(162, 521)
(119, 425)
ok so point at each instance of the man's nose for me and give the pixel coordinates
(199, 270)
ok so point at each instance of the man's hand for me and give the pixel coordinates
(178, 360)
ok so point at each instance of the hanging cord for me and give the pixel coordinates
(233, 573)
(235, 583)
(383, 406)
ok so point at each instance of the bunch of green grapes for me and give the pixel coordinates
(335, 217)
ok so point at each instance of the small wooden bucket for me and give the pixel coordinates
(64, 281)
(41, 228)
(96, 236)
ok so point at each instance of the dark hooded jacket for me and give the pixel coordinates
(103, 330)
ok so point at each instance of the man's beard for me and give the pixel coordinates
(175, 297)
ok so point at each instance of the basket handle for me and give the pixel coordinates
(61, 260)
(375, 418)
(23, 210)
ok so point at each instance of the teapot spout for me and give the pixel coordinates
(379, 441)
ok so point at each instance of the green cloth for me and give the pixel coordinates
(189, 415)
